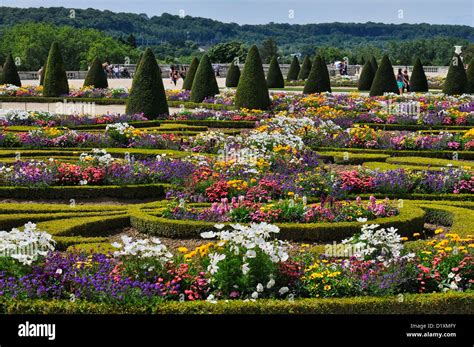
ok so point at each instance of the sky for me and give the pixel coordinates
(284, 11)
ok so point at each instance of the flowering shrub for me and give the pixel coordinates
(284, 211)
(26, 246)
(446, 264)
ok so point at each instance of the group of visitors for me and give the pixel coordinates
(177, 72)
(115, 71)
(403, 81)
(342, 67)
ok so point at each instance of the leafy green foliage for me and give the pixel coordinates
(226, 52)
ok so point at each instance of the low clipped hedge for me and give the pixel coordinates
(415, 127)
(428, 161)
(435, 303)
(194, 122)
(353, 158)
(409, 220)
(110, 101)
(466, 155)
(142, 191)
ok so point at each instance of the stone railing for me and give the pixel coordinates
(352, 70)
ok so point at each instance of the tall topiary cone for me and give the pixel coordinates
(375, 66)
(9, 74)
(384, 80)
(366, 76)
(252, 91)
(456, 82)
(55, 78)
(233, 76)
(147, 94)
(305, 69)
(275, 77)
(318, 79)
(470, 77)
(418, 81)
(96, 75)
(294, 70)
(188, 80)
(204, 84)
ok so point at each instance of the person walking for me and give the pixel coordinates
(400, 81)
(406, 80)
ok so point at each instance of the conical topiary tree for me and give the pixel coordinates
(188, 80)
(305, 69)
(366, 76)
(456, 82)
(204, 84)
(9, 73)
(375, 66)
(318, 80)
(470, 77)
(418, 81)
(96, 75)
(274, 76)
(55, 78)
(252, 91)
(233, 76)
(147, 94)
(294, 70)
(384, 80)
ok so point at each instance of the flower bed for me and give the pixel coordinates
(244, 262)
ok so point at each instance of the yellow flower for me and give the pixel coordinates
(471, 245)
(404, 238)
(438, 231)
(448, 249)
(182, 250)
(416, 234)
(327, 287)
(291, 194)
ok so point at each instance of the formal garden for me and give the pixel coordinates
(248, 199)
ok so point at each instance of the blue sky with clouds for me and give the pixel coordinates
(285, 11)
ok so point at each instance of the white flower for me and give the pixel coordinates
(117, 245)
(219, 226)
(254, 295)
(208, 235)
(59, 271)
(245, 268)
(212, 299)
(259, 288)
(215, 258)
(361, 220)
(457, 278)
(283, 290)
(143, 248)
(453, 286)
(451, 275)
(250, 254)
(270, 283)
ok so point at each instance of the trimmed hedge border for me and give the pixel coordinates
(467, 155)
(81, 192)
(410, 215)
(415, 127)
(106, 101)
(205, 123)
(436, 303)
